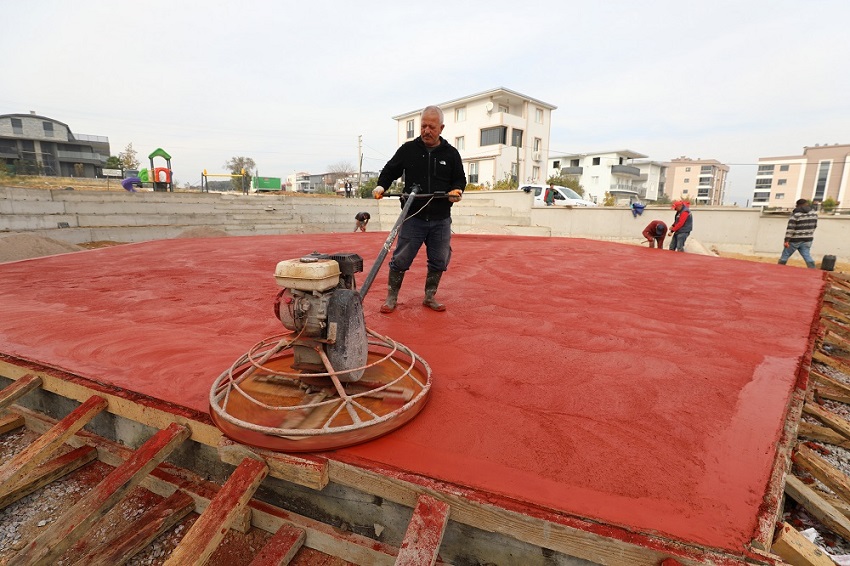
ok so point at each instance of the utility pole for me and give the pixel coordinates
(359, 162)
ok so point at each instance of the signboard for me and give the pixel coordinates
(266, 183)
(112, 173)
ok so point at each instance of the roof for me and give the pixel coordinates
(624, 152)
(36, 116)
(481, 95)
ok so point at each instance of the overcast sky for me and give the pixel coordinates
(292, 84)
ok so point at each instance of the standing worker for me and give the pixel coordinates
(682, 226)
(800, 232)
(654, 233)
(348, 189)
(433, 164)
(361, 219)
(549, 199)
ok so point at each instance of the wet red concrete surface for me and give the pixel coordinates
(636, 387)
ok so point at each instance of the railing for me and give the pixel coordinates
(623, 189)
(571, 170)
(625, 170)
(79, 155)
(85, 137)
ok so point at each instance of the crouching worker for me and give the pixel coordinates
(361, 219)
(430, 162)
(654, 233)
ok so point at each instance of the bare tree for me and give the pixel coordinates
(340, 170)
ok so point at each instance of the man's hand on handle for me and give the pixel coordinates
(455, 195)
(378, 192)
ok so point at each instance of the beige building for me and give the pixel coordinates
(701, 181)
(822, 172)
(499, 133)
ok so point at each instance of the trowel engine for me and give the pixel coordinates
(320, 304)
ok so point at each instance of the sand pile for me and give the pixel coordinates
(14, 247)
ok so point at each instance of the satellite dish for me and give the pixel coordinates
(489, 107)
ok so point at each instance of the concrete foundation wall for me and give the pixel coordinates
(133, 217)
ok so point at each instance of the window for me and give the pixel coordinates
(460, 143)
(460, 114)
(574, 162)
(597, 160)
(17, 126)
(761, 197)
(494, 136)
(537, 143)
(705, 169)
(687, 181)
(621, 161)
(48, 129)
(503, 108)
(538, 115)
(684, 192)
(687, 169)
(763, 184)
(780, 196)
(823, 175)
(516, 137)
(781, 181)
(783, 168)
(535, 173)
(473, 172)
(765, 170)
(410, 130)
(556, 164)
(514, 170)
(705, 180)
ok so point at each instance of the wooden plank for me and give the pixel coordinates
(208, 531)
(831, 361)
(836, 328)
(74, 523)
(166, 478)
(831, 394)
(832, 312)
(830, 382)
(797, 550)
(41, 449)
(822, 434)
(79, 389)
(830, 419)
(18, 389)
(309, 471)
(10, 422)
(817, 506)
(839, 505)
(424, 534)
(820, 469)
(281, 548)
(133, 536)
(49, 472)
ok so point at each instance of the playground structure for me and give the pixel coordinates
(160, 178)
(243, 176)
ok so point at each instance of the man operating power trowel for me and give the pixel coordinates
(436, 167)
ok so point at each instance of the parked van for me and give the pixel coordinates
(564, 196)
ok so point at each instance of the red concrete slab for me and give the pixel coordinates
(636, 387)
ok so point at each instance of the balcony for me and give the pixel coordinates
(571, 170)
(626, 170)
(621, 189)
(79, 156)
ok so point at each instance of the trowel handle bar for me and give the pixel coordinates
(387, 245)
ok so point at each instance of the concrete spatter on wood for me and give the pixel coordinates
(630, 386)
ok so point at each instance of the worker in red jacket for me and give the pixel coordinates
(654, 233)
(682, 226)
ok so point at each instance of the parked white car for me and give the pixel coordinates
(564, 196)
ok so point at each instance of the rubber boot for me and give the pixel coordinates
(393, 285)
(431, 284)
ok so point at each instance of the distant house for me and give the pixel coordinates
(602, 172)
(36, 145)
(701, 181)
(499, 133)
(822, 172)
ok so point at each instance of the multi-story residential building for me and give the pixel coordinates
(652, 180)
(701, 181)
(602, 172)
(37, 145)
(500, 134)
(822, 172)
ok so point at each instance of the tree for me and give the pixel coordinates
(238, 164)
(566, 181)
(340, 170)
(113, 162)
(128, 157)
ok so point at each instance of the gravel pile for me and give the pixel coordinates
(15, 247)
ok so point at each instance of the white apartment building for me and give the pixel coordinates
(822, 172)
(601, 172)
(652, 180)
(499, 133)
(701, 181)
